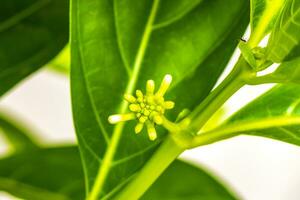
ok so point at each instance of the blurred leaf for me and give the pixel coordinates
(61, 63)
(184, 181)
(19, 138)
(275, 115)
(44, 174)
(55, 173)
(32, 32)
(263, 16)
(133, 43)
(284, 41)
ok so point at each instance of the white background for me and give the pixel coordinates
(256, 168)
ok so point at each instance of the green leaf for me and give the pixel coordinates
(285, 38)
(287, 72)
(61, 63)
(19, 138)
(43, 174)
(32, 32)
(117, 46)
(185, 181)
(263, 16)
(275, 115)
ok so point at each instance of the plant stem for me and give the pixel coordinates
(231, 84)
(232, 130)
(163, 157)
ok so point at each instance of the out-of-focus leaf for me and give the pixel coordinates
(116, 46)
(284, 41)
(182, 181)
(61, 63)
(18, 137)
(32, 32)
(43, 174)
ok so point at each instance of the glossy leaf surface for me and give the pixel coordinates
(136, 41)
(32, 32)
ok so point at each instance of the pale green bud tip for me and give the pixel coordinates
(129, 98)
(169, 104)
(139, 94)
(143, 119)
(134, 107)
(138, 128)
(150, 87)
(113, 119)
(158, 119)
(151, 131)
(164, 85)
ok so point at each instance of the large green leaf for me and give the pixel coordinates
(43, 174)
(117, 45)
(32, 32)
(263, 16)
(183, 181)
(285, 38)
(274, 115)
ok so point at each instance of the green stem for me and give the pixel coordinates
(232, 83)
(163, 157)
(235, 129)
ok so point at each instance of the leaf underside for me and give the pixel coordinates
(274, 115)
(285, 37)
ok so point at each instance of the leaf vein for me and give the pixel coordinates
(119, 42)
(92, 152)
(90, 97)
(176, 18)
(132, 156)
(288, 132)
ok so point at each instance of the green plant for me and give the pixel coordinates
(118, 47)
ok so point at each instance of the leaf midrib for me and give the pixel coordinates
(111, 150)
